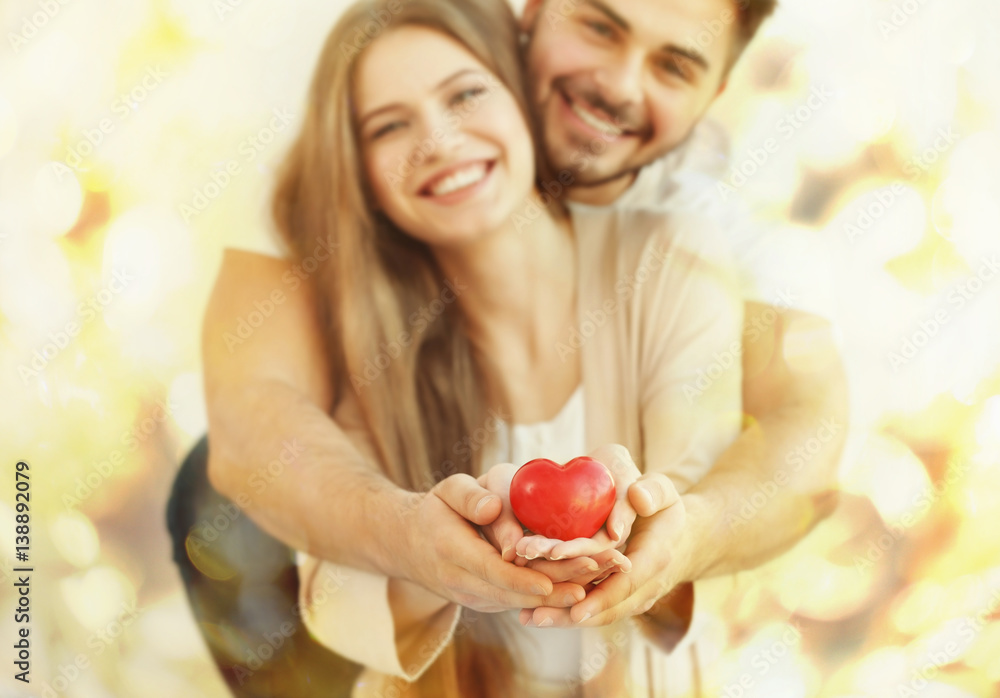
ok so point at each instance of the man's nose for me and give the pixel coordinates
(620, 80)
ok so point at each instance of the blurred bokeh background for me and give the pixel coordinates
(118, 116)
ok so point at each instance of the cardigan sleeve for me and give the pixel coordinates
(349, 611)
(390, 625)
(688, 338)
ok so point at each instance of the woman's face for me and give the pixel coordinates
(446, 149)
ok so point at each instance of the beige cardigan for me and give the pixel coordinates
(660, 318)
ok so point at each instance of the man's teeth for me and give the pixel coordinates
(591, 120)
(460, 180)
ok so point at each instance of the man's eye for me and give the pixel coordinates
(601, 28)
(676, 66)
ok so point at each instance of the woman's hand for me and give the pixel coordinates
(635, 495)
(505, 531)
(443, 552)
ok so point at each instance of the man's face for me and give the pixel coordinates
(619, 84)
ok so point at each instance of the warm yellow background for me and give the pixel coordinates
(174, 90)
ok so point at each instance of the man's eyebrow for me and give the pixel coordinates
(396, 105)
(611, 14)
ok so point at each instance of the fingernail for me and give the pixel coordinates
(538, 590)
(503, 553)
(520, 554)
(619, 527)
(569, 600)
(561, 557)
(483, 502)
(545, 623)
(592, 566)
(531, 557)
(585, 617)
(647, 494)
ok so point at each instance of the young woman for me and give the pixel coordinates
(457, 293)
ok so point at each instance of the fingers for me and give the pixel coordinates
(651, 493)
(533, 547)
(565, 570)
(469, 499)
(475, 593)
(483, 562)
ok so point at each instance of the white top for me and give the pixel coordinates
(549, 655)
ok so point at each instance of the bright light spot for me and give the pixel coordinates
(187, 397)
(8, 126)
(99, 597)
(76, 539)
(988, 426)
(58, 198)
(894, 479)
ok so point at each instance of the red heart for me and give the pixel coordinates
(563, 501)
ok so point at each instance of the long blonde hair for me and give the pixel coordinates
(428, 394)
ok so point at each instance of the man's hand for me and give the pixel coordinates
(442, 551)
(658, 554)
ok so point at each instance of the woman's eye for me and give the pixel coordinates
(386, 130)
(466, 95)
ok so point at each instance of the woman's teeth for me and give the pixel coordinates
(605, 127)
(460, 180)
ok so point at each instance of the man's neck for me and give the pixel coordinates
(603, 194)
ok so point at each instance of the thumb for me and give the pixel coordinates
(469, 499)
(651, 493)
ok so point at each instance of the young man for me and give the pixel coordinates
(619, 89)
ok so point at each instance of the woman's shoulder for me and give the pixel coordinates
(632, 235)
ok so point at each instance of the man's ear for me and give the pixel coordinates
(530, 15)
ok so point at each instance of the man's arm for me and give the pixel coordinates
(779, 478)
(268, 394)
(276, 452)
(795, 390)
